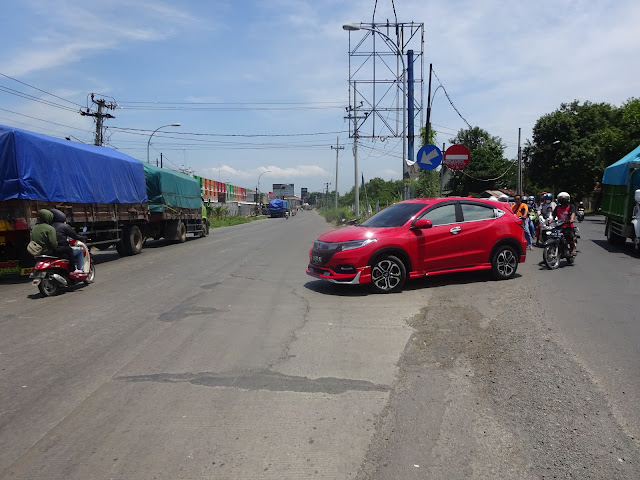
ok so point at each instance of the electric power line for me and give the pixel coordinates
(450, 101)
(40, 90)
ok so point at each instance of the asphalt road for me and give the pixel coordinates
(220, 358)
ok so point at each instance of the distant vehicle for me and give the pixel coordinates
(278, 208)
(421, 237)
(118, 200)
(620, 182)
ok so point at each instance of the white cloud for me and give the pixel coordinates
(504, 65)
(273, 172)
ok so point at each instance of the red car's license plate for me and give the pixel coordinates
(316, 259)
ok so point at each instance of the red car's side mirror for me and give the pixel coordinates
(422, 223)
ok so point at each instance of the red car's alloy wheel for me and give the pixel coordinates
(387, 274)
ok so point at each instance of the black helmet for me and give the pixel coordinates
(58, 216)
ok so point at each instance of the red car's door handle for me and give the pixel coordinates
(455, 230)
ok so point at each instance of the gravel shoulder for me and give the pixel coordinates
(486, 389)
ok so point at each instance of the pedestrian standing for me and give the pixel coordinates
(521, 210)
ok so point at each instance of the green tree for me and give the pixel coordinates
(313, 198)
(573, 145)
(375, 190)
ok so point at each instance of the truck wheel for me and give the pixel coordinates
(205, 229)
(134, 240)
(613, 238)
(121, 249)
(182, 232)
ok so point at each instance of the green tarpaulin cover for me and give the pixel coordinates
(167, 188)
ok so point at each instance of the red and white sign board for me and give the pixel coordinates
(456, 157)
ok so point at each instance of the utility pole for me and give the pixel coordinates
(519, 179)
(337, 149)
(355, 118)
(99, 116)
(326, 195)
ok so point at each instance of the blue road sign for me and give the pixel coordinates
(429, 157)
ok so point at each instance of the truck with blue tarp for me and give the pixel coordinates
(619, 183)
(102, 192)
(278, 208)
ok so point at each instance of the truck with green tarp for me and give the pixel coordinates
(175, 205)
(619, 183)
(113, 198)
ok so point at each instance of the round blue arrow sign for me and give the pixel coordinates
(429, 157)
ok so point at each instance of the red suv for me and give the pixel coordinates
(415, 238)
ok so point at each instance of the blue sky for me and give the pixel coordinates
(262, 86)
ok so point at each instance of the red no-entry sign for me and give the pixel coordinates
(456, 157)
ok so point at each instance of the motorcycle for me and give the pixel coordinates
(51, 274)
(545, 228)
(580, 214)
(556, 247)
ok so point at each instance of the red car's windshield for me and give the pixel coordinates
(394, 216)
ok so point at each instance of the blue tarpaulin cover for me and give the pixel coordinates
(618, 173)
(39, 167)
(168, 188)
(276, 204)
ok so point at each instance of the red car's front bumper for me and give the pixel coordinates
(362, 275)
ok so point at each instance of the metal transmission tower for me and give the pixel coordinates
(377, 76)
(99, 116)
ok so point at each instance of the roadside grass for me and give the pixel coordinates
(337, 216)
(230, 221)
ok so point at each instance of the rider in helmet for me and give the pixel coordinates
(547, 201)
(566, 213)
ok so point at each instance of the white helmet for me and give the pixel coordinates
(493, 199)
(563, 198)
(503, 198)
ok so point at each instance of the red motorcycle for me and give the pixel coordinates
(51, 274)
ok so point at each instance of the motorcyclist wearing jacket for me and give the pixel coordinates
(64, 231)
(566, 214)
(43, 233)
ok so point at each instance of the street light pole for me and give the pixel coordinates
(258, 187)
(149, 142)
(351, 27)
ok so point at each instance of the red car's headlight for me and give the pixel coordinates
(344, 246)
